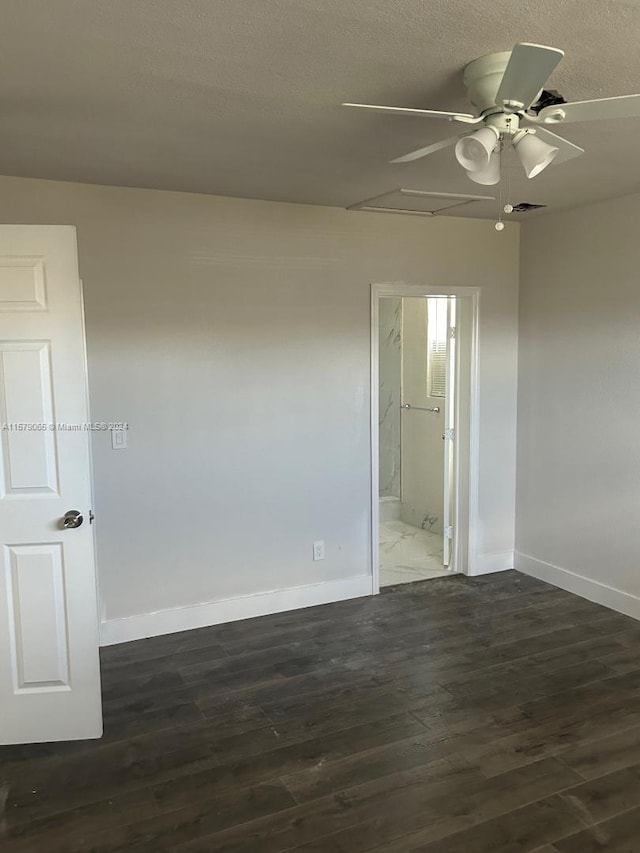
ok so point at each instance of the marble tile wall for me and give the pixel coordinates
(422, 472)
(390, 326)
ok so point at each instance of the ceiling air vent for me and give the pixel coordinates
(523, 206)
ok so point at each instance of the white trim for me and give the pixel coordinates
(375, 442)
(230, 609)
(100, 607)
(487, 564)
(474, 438)
(608, 596)
(400, 289)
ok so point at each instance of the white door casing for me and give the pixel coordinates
(449, 435)
(49, 664)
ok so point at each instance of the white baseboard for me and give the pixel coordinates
(230, 610)
(390, 509)
(616, 599)
(486, 564)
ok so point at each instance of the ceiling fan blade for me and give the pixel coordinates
(526, 73)
(424, 152)
(567, 150)
(624, 106)
(408, 111)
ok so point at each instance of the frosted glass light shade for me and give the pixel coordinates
(473, 151)
(534, 154)
(490, 174)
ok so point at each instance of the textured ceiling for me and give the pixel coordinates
(241, 97)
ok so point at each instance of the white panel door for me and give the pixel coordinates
(49, 665)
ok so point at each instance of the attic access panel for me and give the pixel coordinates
(417, 202)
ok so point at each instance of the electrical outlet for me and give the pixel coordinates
(318, 550)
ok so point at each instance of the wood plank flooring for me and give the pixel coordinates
(487, 715)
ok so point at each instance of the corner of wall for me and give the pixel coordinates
(600, 593)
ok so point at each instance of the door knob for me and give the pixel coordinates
(72, 519)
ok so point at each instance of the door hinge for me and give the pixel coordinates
(91, 516)
(448, 532)
(449, 434)
(452, 332)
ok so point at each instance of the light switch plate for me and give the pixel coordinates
(118, 439)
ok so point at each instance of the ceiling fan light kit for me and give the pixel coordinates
(534, 154)
(504, 88)
(489, 174)
(473, 152)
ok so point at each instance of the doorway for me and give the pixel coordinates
(416, 389)
(423, 413)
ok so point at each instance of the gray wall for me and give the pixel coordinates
(578, 494)
(234, 337)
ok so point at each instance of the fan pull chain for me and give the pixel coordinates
(499, 226)
(508, 208)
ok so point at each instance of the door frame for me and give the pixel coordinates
(466, 498)
(92, 518)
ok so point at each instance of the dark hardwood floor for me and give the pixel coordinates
(488, 715)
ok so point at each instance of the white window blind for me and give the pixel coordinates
(436, 347)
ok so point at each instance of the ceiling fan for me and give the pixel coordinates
(504, 88)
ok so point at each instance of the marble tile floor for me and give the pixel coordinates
(409, 554)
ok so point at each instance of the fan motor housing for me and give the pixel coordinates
(483, 76)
